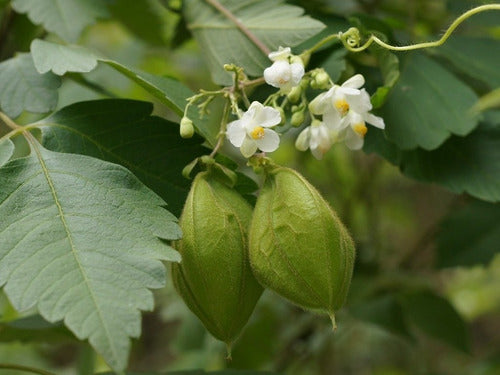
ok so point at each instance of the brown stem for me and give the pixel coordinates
(240, 25)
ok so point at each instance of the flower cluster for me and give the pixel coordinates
(345, 111)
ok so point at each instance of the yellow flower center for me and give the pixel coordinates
(360, 128)
(342, 106)
(257, 132)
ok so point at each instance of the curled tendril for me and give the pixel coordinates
(351, 38)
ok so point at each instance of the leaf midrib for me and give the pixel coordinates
(71, 242)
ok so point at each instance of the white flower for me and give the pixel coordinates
(315, 137)
(345, 111)
(250, 132)
(283, 74)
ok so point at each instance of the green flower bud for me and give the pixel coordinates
(298, 246)
(186, 127)
(322, 80)
(214, 277)
(295, 94)
(297, 118)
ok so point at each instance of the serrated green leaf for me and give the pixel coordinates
(222, 42)
(436, 317)
(60, 59)
(427, 105)
(470, 164)
(6, 151)
(81, 240)
(66, 18)
(23, 88)
(474, 57)
(469, 236)
(34, 329)
(124, 132)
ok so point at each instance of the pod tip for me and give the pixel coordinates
(334, 323)
(229, 348)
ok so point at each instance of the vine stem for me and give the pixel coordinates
(436, 43)
(240, 26)
(320, 44)
(10, 366)
(222, 132)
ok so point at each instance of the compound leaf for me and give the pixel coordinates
(462, 164)
(23, 88)
(81, 240)
(66, 18)
(222, 42)
(60, 59)
(124, 132)
(6, 151)
(427, 105)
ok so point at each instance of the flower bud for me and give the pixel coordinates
(321, 80)
(298, 246)
(295, 94)
(186, 127)
(302, 142)
(214, 277)
(297, 118)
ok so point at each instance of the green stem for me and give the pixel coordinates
(320, 44)
(437, 43)
(222, 131)
(33, 370)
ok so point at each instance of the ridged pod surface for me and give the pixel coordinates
(214, 277)
(298, 246)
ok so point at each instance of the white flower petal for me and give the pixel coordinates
(360, 103)
(278, 74)
(269, 142)
(374, 120)
(317, 153)
(302, 142)
(248, 147)
(353, 140)
(332, 119)
(297, 70)
(267, 117)
(322, 103)
(355, 82)
(236, 133)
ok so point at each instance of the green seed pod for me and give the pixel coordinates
(214, 277)
(298, 246)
